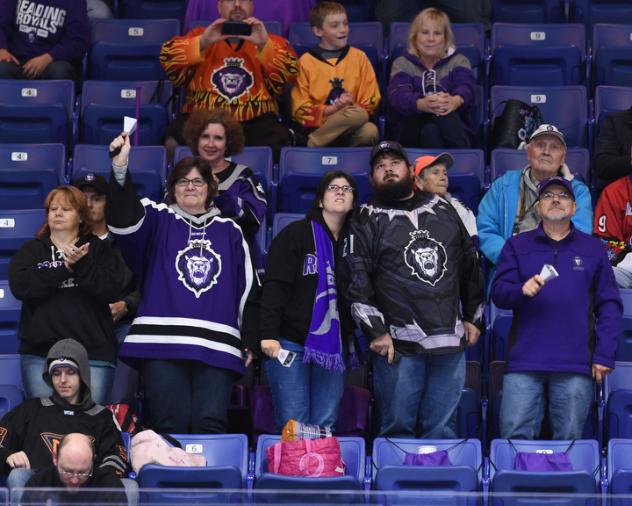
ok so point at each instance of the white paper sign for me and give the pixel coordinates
(129, 124)
(548, 273)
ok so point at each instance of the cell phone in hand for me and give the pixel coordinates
(286, 357)
(236, 28)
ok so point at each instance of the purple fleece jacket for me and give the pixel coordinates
(453, 75)
(575, 319)
(32, 28)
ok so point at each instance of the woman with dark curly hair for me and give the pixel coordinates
(66, 278)
(213, 136)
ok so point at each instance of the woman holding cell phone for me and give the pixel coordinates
(305, 331)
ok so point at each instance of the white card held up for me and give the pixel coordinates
(548, 273)
(286, 357)
(129, 124)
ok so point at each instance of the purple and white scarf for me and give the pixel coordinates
(323, 345)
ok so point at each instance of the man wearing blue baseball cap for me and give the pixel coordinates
(566, 317)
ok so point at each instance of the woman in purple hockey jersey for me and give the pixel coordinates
(213, 136)
(189, 335)
(432, 87)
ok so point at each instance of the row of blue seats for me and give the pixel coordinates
(45, 111)
(470, 471)
(515, 54)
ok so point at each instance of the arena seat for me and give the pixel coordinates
(16, 227)
(10, 310)
(583, 479)
(36, 111)
(353, 453)
(147, 164)
(504, 159)
(390, 473)
(10, 397)
(105, 103)
(10, 373)
(591, 12)
(226, 468)
(300, 171)
(469, 38)
(529, 11)
(28, 172)
(619, 469)
(128, 49)
(612, 62)
(618, 395)
(537, 54)
(610, 99)
(466, 176)
(154, 9)
(282, 220)
(566, 107)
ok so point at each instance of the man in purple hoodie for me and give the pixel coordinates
(43, 39)
(566, 317)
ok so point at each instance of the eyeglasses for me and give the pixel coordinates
(75, 474)
(551, 196)
(233, 2)
(183, 182)
(345, 188)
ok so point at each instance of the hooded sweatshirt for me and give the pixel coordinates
(37, 426)
(58, 303)
(30, 28)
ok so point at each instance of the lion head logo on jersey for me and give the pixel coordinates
(425, 257)
(198, 266)
(232, 80)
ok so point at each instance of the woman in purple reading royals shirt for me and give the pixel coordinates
(301, 312)
(432, 87)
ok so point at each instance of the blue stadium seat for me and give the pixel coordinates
(10, 373)
(566, 107)
(537, 54)
(612, 62)
(28, 172)
(258, 158)
(353, 454)
(591, 12)
(282, 220)
(528, 11)
(583, 479)
(128, 49)
(154, 9)
(16, 227)
(466, 176)
(147, 164)
(611, 99)
(365, 35)
(618, 394)
(36, 111)
(104, 103)
(125, 384)
(501, 324)
(624, 344)
(300, 170)
(226, 468)
(273, 27)
(10, 397)
(469, 39)
(390, 474)
(10, 309)
(619, 469)
(504, 159)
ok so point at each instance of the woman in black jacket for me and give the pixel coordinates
(301, 313)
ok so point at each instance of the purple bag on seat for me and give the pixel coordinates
(438, 458)
(556, 461)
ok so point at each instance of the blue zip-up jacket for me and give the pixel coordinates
(497, 212)
(575, 319)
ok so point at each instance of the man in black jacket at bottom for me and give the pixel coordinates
(72, 475)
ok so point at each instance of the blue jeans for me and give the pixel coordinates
(307, 393)
(417, 396)
(32, 366)
(186, 396)
(522, 407)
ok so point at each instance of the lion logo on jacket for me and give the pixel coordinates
(232, 80)
(425, 257)
(198, 266)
